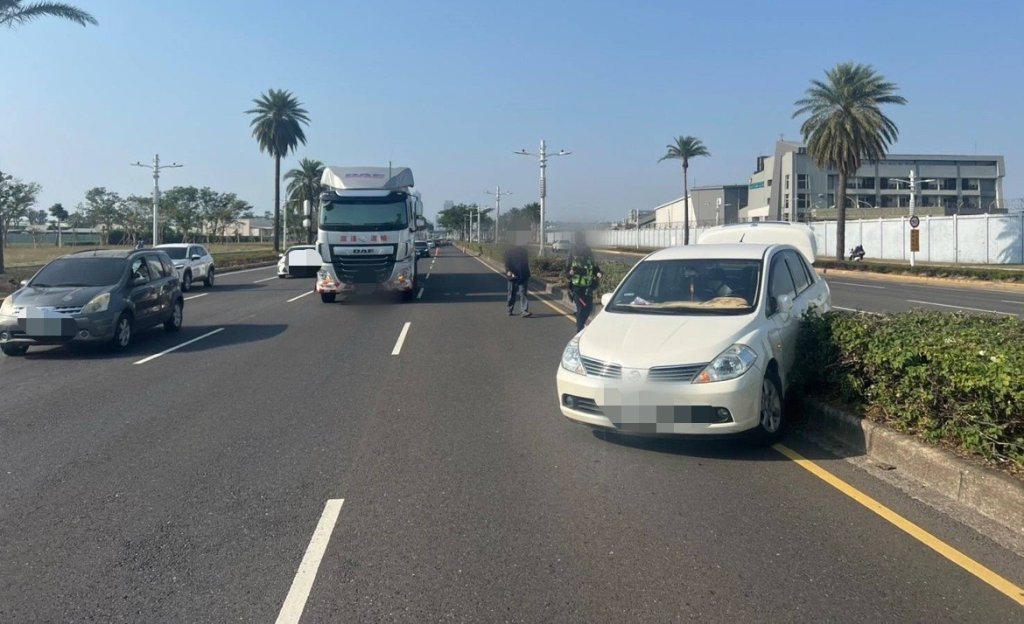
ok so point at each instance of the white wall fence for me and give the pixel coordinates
(967, 239)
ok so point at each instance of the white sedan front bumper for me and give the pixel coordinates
(662, 408)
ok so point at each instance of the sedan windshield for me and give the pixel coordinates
(702, 286)
(79, 272)
(176, 253)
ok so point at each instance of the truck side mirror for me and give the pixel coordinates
(421, 223)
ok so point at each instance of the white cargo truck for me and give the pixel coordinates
(368, 221)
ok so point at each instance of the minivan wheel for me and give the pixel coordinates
(173, 324)
(208, 282)
(186, 282)
(14, 350)
(122, 333)
(771, 411)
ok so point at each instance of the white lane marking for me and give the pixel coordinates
(184, 344)
(266, 279)
(853, 284)
(956, 307)
(401, 339)
(1011, 301)
(305, 294)
(420, 296)
(428, 276)
(295, 602)
(195, 297)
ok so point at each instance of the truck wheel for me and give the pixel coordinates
(327, 297)
(14, 350)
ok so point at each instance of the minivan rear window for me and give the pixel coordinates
(79, 272)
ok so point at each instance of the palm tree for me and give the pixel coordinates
(277, 127)
(13, 13)
(685, 148)
(305, 184)
(845, 124)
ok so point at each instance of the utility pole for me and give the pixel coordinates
(156, 166)
(543, 156)
(497, 209)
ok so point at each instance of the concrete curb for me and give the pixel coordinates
(987, 491)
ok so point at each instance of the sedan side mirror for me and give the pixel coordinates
(784, 304)
(606, 300)
(24, 283)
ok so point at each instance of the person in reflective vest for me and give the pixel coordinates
(584, 275)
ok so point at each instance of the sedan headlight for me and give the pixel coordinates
(571, 357)
(729, 364)
(7, 307)
(99, 303)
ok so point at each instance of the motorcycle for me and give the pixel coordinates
(857, 253)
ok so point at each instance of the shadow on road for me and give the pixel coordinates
(154, 341)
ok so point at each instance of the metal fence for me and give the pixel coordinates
(967, 239)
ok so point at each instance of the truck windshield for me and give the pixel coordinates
(365, 214)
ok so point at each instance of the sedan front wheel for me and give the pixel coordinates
(771, 413)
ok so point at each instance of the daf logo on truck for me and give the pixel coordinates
(367, 204)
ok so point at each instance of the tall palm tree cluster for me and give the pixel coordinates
(844, 126)
(16, 13)
(277, 121)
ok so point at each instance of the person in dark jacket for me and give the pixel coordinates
(583, 274)
(517, 270)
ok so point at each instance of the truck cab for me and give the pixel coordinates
(368, 219)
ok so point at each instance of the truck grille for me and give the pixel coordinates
(364, 269)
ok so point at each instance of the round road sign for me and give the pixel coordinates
(914, 221)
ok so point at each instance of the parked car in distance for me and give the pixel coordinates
(561, 246)
(422, 249)
(93, 296)
(193, 263)
(698, 340)
(299, 261)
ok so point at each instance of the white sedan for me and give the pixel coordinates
(698, 340)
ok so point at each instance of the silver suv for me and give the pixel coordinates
(193, 262)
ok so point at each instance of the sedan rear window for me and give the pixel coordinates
(80, 272)
(702, 286)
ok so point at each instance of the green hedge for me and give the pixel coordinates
(949, 378)
(994, 274)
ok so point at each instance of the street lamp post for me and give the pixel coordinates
(497, 209)
(911, 182)
(543, 157)
(156, 166)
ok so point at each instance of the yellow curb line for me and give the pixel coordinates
(993, 579)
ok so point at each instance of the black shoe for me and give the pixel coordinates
(510, 312)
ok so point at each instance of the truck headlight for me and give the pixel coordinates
(729, 364)
(99, 303)
(571, 357)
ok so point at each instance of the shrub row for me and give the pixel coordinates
(993, 274)
(552, 268)
(948, 378)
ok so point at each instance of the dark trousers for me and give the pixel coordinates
(583, 298)
(518, 287)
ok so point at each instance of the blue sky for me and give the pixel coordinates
(451, 89)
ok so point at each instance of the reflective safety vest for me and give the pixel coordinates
(583, 271)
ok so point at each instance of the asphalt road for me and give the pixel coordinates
(893, 294)
(189, 487)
